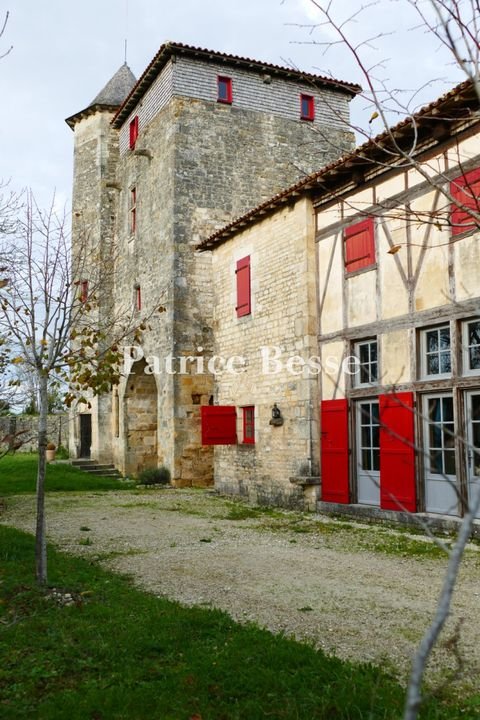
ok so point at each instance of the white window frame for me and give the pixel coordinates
(356, 351)
(423, 349)
(467, 370)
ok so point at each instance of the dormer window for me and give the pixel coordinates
(133, 132)
(224, 90)
(307, 107)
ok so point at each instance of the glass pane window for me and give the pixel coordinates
(366, 367)
(472, 345)
(369, 435)
(441, 436)
(437, 351)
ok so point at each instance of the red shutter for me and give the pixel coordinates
(360, 245)
(133, 132)
(219, 425)
(397, 452)
(243, 287)
(335, 457)
(465, 189)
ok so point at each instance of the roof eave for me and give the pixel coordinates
(90, 110)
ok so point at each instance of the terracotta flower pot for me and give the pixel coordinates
(50, 455)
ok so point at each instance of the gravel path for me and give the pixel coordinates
(329, 582)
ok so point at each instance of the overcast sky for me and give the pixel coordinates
(64, 52)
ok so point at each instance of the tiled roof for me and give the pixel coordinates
(168, 49)
(110, 96)
(459, 104)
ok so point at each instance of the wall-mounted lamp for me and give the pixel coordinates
(277, 418)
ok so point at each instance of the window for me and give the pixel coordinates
(133, 211)
(436, 352)
(369, 436)
(224, 90)
(441, 436)
(133, 132)
(138, 297)
(360, 246)
(307, 107)
(465, 189)
(243, 287)
(248, 424)
(366, 365)
(471, 346)
(84, 291)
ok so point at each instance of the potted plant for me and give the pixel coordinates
(51, 451)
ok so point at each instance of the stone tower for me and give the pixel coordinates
(159, 165)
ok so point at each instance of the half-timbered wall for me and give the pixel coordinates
(423, 278)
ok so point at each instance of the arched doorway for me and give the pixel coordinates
(140, 420)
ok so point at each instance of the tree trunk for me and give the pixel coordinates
(40, 533)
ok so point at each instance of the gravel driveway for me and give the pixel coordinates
(353, 590)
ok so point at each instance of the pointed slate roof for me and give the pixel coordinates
(117, 89)
(110, 97)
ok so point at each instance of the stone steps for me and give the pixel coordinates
(95, 468)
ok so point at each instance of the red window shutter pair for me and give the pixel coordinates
(219, 425)
(243, 287)
(397, 453)
(133, 132)
(465, 189)
(360, 245)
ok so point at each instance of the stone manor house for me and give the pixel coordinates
(342, 286)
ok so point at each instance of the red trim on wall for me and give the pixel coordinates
(397, 452)
(335, 451)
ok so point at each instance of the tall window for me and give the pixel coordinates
(360, 246)
(471, 346)
(369, 435)
(224, 89)
(138, 297)
(366, 365)
(84, 291)
(465, 189)
(307, 107)
(436, 352)
(133, 211)
(441, 438)
(133, 132)
(248, 414)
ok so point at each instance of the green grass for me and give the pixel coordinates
(118, 653)
(18, 474)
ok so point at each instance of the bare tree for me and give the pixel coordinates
(52, 326)
(454, 25)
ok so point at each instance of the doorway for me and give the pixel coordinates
(473, 445)
(85, 435)
(368, 452)
(441, 490)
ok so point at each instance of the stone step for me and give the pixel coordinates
(95, 468)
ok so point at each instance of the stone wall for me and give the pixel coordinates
(283, 294)
(26, 427)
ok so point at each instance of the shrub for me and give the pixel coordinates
(62, 453)
(51, 446)
(154, 476)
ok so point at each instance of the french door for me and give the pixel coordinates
(368, 452)
(441, 485)
(473, 445)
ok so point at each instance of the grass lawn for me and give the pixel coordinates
(120, 653)
(18, 474)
